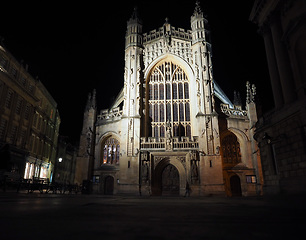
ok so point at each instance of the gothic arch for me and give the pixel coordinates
(169, 88)
(106, 135)
(101, 143)
(243, 141)
(230, 150)
(159, 170)
(239, 134)
(170, 57)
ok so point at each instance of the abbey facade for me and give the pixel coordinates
(171, 127)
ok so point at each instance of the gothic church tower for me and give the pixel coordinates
(85, 155)
(206, 116)
(132, 103)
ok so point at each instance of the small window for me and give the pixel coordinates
(9, 99)
(96, 179)
(251, 179)
(18, 106)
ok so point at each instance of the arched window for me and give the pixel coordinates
(170, 82)
(230, 150)
(111, 151)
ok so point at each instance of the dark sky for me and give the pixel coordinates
(78, 47)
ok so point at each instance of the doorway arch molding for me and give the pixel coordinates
(161, 165)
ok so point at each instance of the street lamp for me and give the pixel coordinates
(60, 160)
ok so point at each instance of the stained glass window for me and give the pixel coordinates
(231, 150)
(111, 151)
(168, 99)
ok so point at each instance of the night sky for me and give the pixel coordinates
(76, 48)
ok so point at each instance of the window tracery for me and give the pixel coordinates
(169, 100)
(111, 151)
(231, 150)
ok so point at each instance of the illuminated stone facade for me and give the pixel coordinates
(281, 133)
(171, 125)
(29, 123)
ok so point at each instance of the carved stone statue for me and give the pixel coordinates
(194, 172)
(145, 171)
(168, 136)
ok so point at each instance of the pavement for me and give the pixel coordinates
(62, 216)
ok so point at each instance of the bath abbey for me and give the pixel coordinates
(171, 130)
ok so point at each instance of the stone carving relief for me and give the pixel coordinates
(167, 45)
(145, 169)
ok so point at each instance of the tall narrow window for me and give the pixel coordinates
(174, 87)
(168, 91)
(161, 112)
(181, 93)
(161, 92)
(168, 100)
(187, 110)
(111, 151)
(186, 90)
(175, 115)
(181, 112)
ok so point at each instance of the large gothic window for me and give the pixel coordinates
(231, 150)
(169, 100)
(111, 151)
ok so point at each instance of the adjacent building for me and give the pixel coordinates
(64, 172)
(29, 123)
(171, 127)
(281, 133)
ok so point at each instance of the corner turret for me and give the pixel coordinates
(133, 36)
(198, 25)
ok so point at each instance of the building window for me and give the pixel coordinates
(169, 100)
(251, 179)
(27, 112)
(14, 72)
(111, 151)
(43, 172)
(231, 150)
(29, 170)
(18, 106)
(12, 134)
(96, 179)
(9, 99)
(3, 126)
(3, 62)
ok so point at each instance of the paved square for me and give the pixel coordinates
(48, 216)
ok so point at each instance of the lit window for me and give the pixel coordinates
(168, 100)
(230, 150)
(111, 151)
(251, 179)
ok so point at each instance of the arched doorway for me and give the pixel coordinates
(109, 185)
(170, 184)
(235, 185)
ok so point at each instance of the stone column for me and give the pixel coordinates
(273, 71)
(284, 67)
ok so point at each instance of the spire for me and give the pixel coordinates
(135, 13)
(198, 25)
(91, 100)
(237, 99)
(88, 101)
(133, 36)
(197, 9)
(250, 92)
(135, 17)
